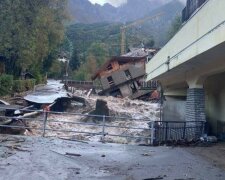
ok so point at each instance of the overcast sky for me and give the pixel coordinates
(116, 2)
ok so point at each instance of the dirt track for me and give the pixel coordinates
(34, 159)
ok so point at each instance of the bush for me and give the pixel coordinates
(6, 83)
(23, 85)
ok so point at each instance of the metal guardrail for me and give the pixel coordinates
(178, 130)
(72, 82)
(152, 85)
(102, 124)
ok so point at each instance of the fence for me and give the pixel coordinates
(102, 122)
(150, 85)
(153, 132)
(177, 130)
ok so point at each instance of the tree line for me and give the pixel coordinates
(31, 33)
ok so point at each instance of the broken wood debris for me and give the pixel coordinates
(67, 154)
(146, 154)
(16, 147)
(156, 178)
(72, 154)
(73, 140)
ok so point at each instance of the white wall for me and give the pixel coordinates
(199, 26)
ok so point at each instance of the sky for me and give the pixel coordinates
(115, 2)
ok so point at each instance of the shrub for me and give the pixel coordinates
(6, 83)
(23, 85)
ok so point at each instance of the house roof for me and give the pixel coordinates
(137, 52)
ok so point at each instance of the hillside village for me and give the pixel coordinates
(88, 96)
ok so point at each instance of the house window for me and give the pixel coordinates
(133, 87)
(110, 80)
(116, 93)
(128, 75)
(109, 67)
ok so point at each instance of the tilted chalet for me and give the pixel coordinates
(122, 76)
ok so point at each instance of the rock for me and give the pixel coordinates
(101, 109)
(127, 104)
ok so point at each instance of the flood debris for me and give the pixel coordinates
(101, 109)
(8, 111)
(103, 105)
(72, 154)
(155, 178)
(67, 154)
(54, 95)
(81, 105)
(73, 140)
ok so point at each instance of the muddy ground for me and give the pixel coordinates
(214, 154)
(25, 158)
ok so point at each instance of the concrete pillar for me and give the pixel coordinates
(195, 104)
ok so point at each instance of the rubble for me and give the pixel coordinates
(116, 107)
(82, 105)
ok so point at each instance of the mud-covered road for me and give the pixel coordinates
(26, 158)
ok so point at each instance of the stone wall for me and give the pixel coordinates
(195, 105)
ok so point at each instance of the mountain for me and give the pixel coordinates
(82, 11)
(83, 35)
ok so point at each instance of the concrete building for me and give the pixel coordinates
(191, 69)
(123, 76)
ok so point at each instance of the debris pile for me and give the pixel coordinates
(132, 111)
(79, 121)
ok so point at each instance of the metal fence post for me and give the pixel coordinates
(103, 129)
(184, 132)
(166, 138)
(45, 121)
(152, 132)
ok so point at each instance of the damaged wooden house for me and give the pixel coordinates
(124, 76)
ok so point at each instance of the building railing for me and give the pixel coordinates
(178, 130)
(72, 82)
(151, 85)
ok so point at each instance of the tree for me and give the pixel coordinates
(99, 52)
(150, 43)
(74, 61)
(30, 32)
(175, 26)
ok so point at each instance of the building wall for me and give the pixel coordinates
(136, 71)
(174, 108)
(115, 67)
(119, 76)
(183, 46)
(190, 8)
(215, 103)
(105, 83)
(125, 90)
